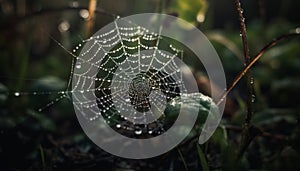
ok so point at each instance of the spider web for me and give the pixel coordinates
(127, 75)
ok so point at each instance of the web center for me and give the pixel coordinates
(139, 91)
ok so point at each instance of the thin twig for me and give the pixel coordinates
(183, 160)
(91, 18)
(246, 137)
(254, 60)
(247, 60)
(245, 140)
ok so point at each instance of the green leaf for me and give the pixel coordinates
(195, 101)
(220, 137)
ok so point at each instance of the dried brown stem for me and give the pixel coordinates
(91, 18)
(245, 140)
(254, 60)
(247, 61)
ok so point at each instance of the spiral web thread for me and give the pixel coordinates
(135, 78)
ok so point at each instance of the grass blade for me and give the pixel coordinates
(202, 158)
(183, 160)
(42, 157)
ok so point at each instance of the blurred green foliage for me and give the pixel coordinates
(53, 140)
(190, 10)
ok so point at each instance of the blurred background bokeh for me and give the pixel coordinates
(34, 68)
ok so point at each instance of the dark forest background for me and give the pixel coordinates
(33, 64)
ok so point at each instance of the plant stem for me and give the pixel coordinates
(249, 79)
(91, 19)
(247, 60)
(160, 6)
(202, 158)
(254, 60)
(183, 160)
(42, 157)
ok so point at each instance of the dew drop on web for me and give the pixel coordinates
(138, 132)
(78, 66)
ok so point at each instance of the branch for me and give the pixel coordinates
(247, 61)
(255, 59)
(91, 18)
